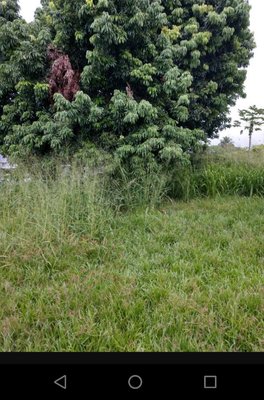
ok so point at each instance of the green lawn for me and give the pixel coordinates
(184, 277)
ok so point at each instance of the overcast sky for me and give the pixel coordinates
(28, 8)
(255, 78)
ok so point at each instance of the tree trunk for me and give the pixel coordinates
(250, 135)
(250, 141)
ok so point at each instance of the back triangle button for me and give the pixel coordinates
(61, 382)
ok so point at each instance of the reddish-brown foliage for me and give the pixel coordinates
(129, 91)
(62, 79)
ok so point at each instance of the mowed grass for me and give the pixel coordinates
(76, 274)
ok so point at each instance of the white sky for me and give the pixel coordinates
(28, 8)
(254, 86)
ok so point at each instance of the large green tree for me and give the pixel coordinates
(156, 77)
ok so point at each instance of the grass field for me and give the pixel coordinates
(77, 274)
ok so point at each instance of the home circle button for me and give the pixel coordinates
(135, 382)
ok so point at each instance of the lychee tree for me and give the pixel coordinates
(156, 77)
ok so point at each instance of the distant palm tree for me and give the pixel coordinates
(226, 141)
(252, 119)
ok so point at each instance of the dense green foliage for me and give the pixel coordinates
(23, 89)
(156, 78)
(12, 30)
(9, 10)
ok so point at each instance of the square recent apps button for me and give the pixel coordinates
(210, 382)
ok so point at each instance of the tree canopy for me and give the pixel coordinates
(148, 79)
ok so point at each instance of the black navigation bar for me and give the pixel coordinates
(137, 380)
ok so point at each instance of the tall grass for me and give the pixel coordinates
(71, 195)
(49, 210)
(79, 274)
(241, 180)
(50, 203)
(226, 173)
(137, 188)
